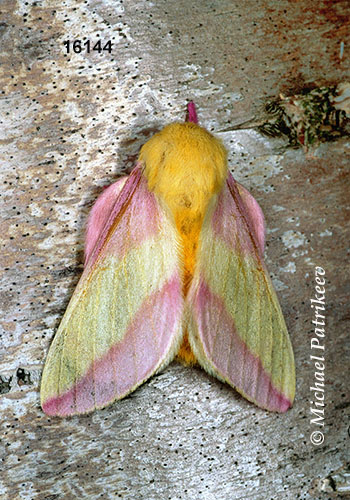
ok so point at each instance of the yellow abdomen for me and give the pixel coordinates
(185, 165)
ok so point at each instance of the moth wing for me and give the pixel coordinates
(124, 320)
(255, 215)
(236, 327)
(100, 213)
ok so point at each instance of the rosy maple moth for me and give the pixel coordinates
(174, 269)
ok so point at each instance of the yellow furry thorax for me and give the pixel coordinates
(185, 165)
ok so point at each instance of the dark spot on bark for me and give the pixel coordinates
(23, 377)
(5, 384)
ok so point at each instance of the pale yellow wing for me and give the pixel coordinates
(124, 319)
(236, 327)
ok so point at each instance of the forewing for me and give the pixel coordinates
(100, 213)
(124, 319)
(253, 214)
(236, 327)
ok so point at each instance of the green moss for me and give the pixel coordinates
(308, 118)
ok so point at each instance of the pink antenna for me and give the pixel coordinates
(191, 112)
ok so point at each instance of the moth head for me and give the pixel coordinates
(184, 149)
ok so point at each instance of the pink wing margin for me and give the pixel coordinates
(125, 224)
(100, 214)
(237, 330)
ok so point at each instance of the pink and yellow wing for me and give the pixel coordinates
(123, 322)
(236, 327)
(100, 213)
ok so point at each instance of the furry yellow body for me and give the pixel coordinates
(196, 164)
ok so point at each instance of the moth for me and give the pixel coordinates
(173, 269)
